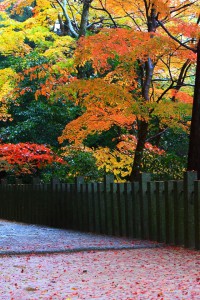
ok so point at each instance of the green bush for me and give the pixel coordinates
(78, 163)
(164, 167)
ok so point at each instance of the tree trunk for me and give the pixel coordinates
(84, 17)
(181, 77)
(146, 84)
(142, 135)
(194, 143)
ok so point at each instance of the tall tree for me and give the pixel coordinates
(194, 144)
(193, 44)
(151, 53)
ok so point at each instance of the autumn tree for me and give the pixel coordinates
(136, 61)
(192, 42)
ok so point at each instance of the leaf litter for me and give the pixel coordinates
(166, 273)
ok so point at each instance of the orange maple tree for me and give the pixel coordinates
(137, 61)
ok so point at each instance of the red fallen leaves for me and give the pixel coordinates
(141, 274)
(26, 157)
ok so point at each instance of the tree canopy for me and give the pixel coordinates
(118, 69)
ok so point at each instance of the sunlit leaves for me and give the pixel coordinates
(8, 79)
(126, 45)
(61, 49)
(119, 161)
(113, 162)
(182, 96)
(105, 105)
(13, 43)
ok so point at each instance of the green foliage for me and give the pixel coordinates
(104, 139)
(164, 167)
(175, 141)
(38, 122)
(82, 163)
(54, 170)
(79, 163)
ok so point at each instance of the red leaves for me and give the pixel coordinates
(182, 96)
(127, 45)
(26, 157)
(127, 144)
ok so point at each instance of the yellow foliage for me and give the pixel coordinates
(12, 42)
(8, 80)
(62, 48)
(114, 162)
(38, 34)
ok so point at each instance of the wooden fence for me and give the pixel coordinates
(160, 211)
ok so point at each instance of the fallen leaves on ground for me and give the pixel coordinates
(141, 274)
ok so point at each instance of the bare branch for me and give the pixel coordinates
(175, 39)
(183, 7)
(133, 19)
(72, 13)
(106, 11)
(156, 135)
(69, 23)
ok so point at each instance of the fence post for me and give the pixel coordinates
(55, 203)
(197, 214)
(169, 211)
(91, 213)
(73, 205)
(4, 181)
(160, 207)
(123, 209)
(54, 182)
(84, 207)
(108, 179)
(135, 191)
(47, 194)
(129, 208)
(78, 214)
(36, 180)
(144, 217)
(179, 213)
(68, 208)
(189, 235)
(95, 197)
(3, 192)
(18, 181)
(116, 208)
(153, 230)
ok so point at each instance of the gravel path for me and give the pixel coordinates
(21, 238)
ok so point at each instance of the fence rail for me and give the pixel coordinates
(156, 210)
